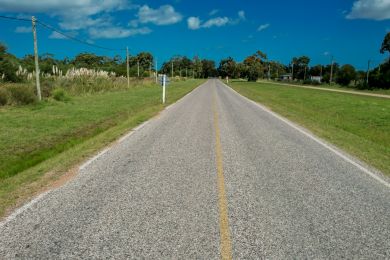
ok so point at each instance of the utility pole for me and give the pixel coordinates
(127, 67)
(292, 70)
(156, 72)
(331, 71)
(38, 83)
(269, 71)
(138, 68)
(172, 69)
(150, 69)
(368, 70)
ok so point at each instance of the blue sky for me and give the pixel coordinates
(350, 30)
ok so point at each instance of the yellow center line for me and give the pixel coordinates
(226, 243)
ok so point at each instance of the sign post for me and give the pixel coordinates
(164, 83)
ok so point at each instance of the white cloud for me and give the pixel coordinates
(63, 8)
(213, 12)
(370, 9)
(241, 15)
(23, 29)
(263, 27)
(116, 32)
(218, 22)
(56, 35)
(193, 23)
(164, 15)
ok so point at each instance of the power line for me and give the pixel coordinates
(76, 39)
(49, 27)
(15, 18)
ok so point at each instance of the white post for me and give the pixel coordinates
(38, 83)
(164, 82)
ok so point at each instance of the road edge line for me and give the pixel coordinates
(316, 139)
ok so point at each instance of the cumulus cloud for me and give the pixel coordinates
(23, 29)
(164, 15)
(193, 23)
(370, 9)
(263, 27)
(218, 22)
(116, 32)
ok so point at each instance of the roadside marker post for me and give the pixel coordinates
(164, 79)
(164, 82)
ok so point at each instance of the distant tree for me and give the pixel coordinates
(386, 44)
(255, 65)
(346, 74)
(209, 69)
(300, 66)
(145, 60)
(227, 68)
(316, 70)
(8, 65)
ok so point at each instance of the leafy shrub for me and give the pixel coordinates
(3, 97)
(22, 94)
(47, 87)
(60, 95)
(311, 82)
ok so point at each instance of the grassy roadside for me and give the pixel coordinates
(41, 142)
(333, 86)
(359, 125)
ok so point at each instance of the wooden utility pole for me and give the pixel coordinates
(38, 83)
(138, 68)
(368, 70)
(331, 71)
(292, 70)
(156, 72)
(127, 67)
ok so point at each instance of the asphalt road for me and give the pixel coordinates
(213, 176)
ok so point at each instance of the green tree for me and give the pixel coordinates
(300, 67)
(346, 74)
(255, 66)
(8, 65)
(227, 68)
(386, 44)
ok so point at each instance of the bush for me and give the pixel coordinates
(3, 97)
(60, 95)
(311, 82)
(22, 94)
(46, 88)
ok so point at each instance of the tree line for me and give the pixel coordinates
(254, 67)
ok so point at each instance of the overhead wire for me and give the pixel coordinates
(52, 28)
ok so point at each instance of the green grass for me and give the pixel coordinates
(336, 86)
(54, 136)
(359, 125)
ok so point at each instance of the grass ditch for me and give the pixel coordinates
(41, 142)
(359, 125)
